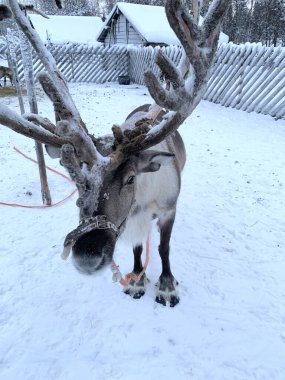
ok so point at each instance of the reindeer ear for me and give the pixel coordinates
(152, 160)
(52, 151)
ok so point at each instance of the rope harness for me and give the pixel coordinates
(98, 222)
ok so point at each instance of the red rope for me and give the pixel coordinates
(117, 275)
(48, 167)
(41, 206)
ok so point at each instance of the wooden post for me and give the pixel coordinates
(27, 60)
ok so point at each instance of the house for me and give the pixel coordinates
(140, 25)
(78, 29)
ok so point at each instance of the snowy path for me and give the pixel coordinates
(228, 253)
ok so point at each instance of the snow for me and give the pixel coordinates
(4, 62)
(227, 252)
(79, 29)
(151, 22)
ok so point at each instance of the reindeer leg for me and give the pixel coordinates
(166, 283)
(137, 289)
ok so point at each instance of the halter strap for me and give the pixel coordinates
(98, 222)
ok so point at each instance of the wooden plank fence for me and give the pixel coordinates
(143, 58)
(248, 77)
(83, 62)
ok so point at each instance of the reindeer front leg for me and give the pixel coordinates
(166, 284)
(137, 289)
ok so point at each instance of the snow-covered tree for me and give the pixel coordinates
(237, 22)
(255, 21)
(76, 8)
(268, 22)
(49, 7)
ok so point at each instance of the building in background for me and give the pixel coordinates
(139, 24)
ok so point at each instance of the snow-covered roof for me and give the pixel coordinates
(78, 29)
(149, 21)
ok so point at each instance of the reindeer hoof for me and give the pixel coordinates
(138, 294)
(160, 299)
(167, 293)
(167, 298)
(174, 300)
(136, 290)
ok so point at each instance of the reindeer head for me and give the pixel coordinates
(105, 169)
(107, 194)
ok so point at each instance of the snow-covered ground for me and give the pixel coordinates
(227, 252)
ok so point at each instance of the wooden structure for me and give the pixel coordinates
(249, 77)
(137, 24)
(82, 62)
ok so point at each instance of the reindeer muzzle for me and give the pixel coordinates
(99, 222)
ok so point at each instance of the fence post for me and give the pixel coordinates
(26, 52)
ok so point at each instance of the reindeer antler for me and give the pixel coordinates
(187, 86)
(200, 44)
(70, 127)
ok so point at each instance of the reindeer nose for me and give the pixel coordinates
(93, 251)
(88, 264)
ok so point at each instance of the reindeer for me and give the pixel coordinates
(132, 176)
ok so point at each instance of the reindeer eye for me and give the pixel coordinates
(130, 180)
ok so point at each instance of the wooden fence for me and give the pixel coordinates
(83, 62)
(249, 77)
(143, 58)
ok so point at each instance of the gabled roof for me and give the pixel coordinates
(149, 21)
(80, 29)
